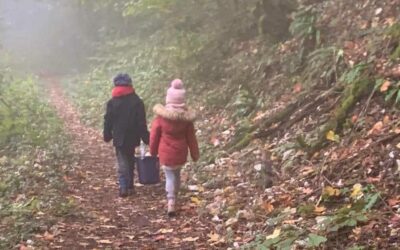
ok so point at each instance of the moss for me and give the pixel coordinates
(352, 94)
(394, 33)
(242, 142)
(396, 54)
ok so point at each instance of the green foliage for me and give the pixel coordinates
(353, 74)
(392, 94)
(304, 25)
(338, 218)
(394, 34)
(132, 8)
(26, 118)
(33, 151)
(314, 240)
(324, 63)
(244, 102)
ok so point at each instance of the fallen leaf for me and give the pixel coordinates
(231, 222)
(159, 237)
(190, 239)
(331, 136)
(307, 190)
(165, 231)
(195, 200)
(297, 88)
(386, 119)
(357, 191)
(319, 210)
(268, 207)
(394, 201)
(275, 234)
(84, 244)
(374, 179)
(23, 247)
(330, 191)
(354, 119)
(214, 237)
(376, 128)
(104, 241)
(48, 236)
(385, 86)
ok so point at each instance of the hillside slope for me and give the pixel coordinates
(300, 133)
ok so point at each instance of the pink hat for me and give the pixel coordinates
(176, 99)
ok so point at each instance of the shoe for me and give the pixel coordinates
(123, 193)
(171, 208)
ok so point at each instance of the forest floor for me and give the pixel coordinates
(103, 220)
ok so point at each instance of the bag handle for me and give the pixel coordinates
(142, 150)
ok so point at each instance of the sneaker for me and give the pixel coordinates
(171, 208)
(123, 193)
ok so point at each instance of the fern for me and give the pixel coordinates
(324, 63)
(304, 25)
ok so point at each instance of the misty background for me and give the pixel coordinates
(44, 36)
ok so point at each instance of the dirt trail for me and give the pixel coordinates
(106, 221)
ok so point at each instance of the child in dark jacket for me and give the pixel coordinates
(125, 124)
(172, 137)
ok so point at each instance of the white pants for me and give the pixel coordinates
(172, 181)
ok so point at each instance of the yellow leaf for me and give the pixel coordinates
(195, 200)
(330, 191)
(319, 209)
(385, 86)
(331, 136)
(357, 191)
(275, 234)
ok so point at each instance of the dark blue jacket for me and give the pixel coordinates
(125, 122)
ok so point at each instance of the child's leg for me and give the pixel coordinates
(131, 170)
(172, 183)
(124, 169)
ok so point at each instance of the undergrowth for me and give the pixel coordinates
(33, 160)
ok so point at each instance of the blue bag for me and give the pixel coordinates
(148, 168)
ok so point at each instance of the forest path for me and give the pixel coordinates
(105, 221)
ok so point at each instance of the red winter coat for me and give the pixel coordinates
(172, 136)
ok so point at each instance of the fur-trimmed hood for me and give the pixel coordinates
(162, 111)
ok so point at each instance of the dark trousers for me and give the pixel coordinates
(126, 166)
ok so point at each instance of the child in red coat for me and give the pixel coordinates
(172, 136)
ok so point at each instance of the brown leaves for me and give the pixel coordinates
(268, 207)
(385, 86)
(394, 201)
(48, 236)
(190, 239)
(376, 128)
(297, 88)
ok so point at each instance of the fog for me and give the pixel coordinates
(43, 35)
